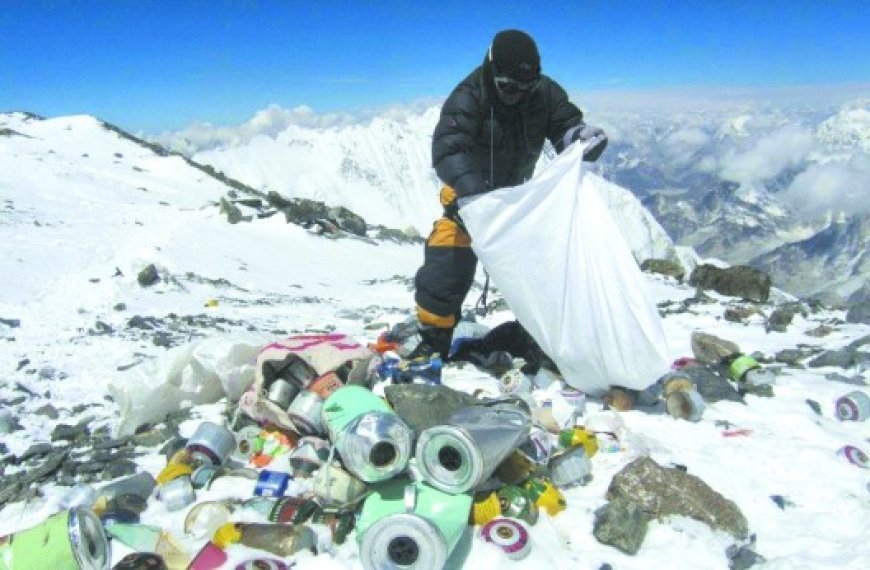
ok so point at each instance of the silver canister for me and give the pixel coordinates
(685, 405)
(375, 446)
(306, 413)
(458, 456)
(401, 541)
(88, 539)
(211, 443)
(281, 393)
(177, 493)
(854, 407)
(570, 468)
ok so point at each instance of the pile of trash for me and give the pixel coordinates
(332, 441)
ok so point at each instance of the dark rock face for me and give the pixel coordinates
(662, 491)
(859, 313)
(621, 524)
(664, 267)
(737, 281)
(712, 386)
(348, 221)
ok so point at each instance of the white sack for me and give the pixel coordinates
(198, 373)
(557, 255)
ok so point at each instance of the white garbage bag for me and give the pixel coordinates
(558, 257)
(197, 373)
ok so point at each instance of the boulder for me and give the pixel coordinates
(859, 313)
(737, 281)
(621, 524)
(422, 406)
(711, 349)
(664, 491)
(664, 267)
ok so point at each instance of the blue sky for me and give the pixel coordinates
(156, 65)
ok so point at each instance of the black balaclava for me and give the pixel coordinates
(513, 53)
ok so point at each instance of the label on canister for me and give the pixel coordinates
(854, 406)
(272, 484)
(855, 456)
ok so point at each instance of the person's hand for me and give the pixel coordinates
(594, 138)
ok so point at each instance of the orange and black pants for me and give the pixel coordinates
(448, 269)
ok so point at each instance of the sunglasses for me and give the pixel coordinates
(510, 86)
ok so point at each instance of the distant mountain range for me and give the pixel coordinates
(783, 189)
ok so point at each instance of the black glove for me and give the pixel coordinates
(593, 137)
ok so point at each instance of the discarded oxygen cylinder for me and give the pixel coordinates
(69, 540)
(458, 456)
(211, 443)
(405, 525)
(373, 442)
(279, 539)
(306, 413)
(854, 406)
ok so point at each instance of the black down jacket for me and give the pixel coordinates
(480, 144)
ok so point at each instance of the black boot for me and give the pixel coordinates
(433, 340)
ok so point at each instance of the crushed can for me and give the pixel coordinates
(308, 456)
(854, 407)
(457, 456)
(510, 535)
(579, 436)
(326, 384)
(177, 493)
(405, 525)
(279, 539)
(373, 442)
(69, 540)
(570, 468)
(516, 503)
(211, 443)
(539, 446)
(545, 495)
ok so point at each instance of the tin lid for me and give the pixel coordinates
(403, 541)
(88, 539)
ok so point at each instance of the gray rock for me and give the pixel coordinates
(782, 317)
(111, 443)
(12, 490)
(621, 524)
(51, 464)
(739, 314)
(231, 211)
(859, 313)
(119, 468)
(820, 331)
(663, 491)
(148, 276)
(348, 221)
(48, 411)
(664, 267)
(856, 380)
(710, 349)
(713, 387)
(790, 356)
(422, 405)
(66, 432)
(743, 557)
(846, 357)
(37, 450)
(736, 281)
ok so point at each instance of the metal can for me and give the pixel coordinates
(618, 399)
(676, 382)
(211, 443)
(855, 456)
(74, 538)
(511, 536)
(570, 468)
(272, 484)
(685, 405)
(285, 509)
(306, 413)
(177, 493)
(326, 384)
(854, 406)
(281, 393)
(486, 507)
(514, 382)
(514, 502)
(579, 436)
(546, 496)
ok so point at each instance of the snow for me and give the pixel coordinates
(75, 230)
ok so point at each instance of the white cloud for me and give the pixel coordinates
(768, 156)
(838, 186)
